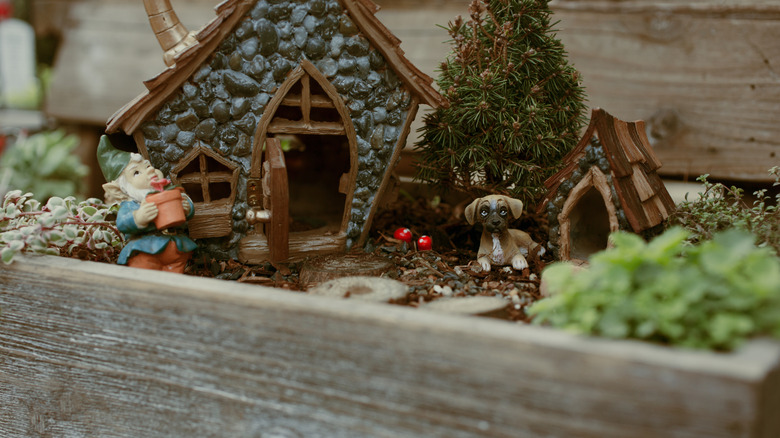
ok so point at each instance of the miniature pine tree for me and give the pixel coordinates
(516, 105)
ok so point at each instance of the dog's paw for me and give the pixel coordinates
(485, 264)
(519, 262)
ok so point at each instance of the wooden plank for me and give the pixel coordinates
(107, 50)
(317, 101)
(255, 249)
(210, 177)
(92, 349)
(211, 219)
(701, 74)
(639, 180)
(278, 229)
(284, 126)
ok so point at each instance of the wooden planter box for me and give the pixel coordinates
(89, 349)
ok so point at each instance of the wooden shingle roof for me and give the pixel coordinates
(229, 12)
(633, 166)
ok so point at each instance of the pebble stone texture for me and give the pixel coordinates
(221, 104)
(594, 156)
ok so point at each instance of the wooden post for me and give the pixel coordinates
(278, 230)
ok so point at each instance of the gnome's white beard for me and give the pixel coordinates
(134, 193)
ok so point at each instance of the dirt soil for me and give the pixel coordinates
(449, 270)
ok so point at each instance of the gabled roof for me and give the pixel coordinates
(633, 165)
(229, 12)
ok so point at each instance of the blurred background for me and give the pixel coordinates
(703, 74)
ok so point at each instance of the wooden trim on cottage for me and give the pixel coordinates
(389, 172)
(210, 181)
(595, 179)
(270, 124)
(389, 46)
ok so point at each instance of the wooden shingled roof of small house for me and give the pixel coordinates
(633, 166)
(229, 12)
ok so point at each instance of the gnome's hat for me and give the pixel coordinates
(112, 160)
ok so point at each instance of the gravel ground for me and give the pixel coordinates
(448, 271)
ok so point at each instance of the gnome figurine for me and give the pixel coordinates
(130, 178)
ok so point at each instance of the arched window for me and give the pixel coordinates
(210, 181)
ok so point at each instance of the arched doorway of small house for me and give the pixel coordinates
(319, 148)
(587, 218)
(315, 166)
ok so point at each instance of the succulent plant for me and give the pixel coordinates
(62, 226)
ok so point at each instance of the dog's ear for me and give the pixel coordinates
(515, 205)
(471, 211)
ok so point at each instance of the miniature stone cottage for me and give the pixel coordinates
(608, 183)
(323, 77)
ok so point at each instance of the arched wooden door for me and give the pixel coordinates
(587, 217)
(320, 149)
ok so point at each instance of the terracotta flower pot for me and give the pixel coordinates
(171, 212)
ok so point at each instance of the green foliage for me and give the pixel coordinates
(43, 164)
(720, 207)
(516, 106)
(714, 295)
(60, 227)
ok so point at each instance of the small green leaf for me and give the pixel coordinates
(70, 232)
(7, 255)
(59, 213)
(54, 202)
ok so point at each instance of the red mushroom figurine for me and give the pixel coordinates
(404, 234)
(425, 243)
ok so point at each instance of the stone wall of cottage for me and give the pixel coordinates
(220, 105)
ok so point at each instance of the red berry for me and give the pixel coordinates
(403, 234)
(425, 243)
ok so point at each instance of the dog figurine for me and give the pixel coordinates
(500, 246)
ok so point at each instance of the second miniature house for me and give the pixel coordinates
(608, 183)
(320, 87)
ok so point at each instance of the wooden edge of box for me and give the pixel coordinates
(435, 372)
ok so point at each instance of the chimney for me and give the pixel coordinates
(171, 34)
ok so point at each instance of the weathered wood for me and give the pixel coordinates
(596, 179)
(328, 267)
(90, 349)
(213, 217)
(277, 199)
(701, 74)
(282, 126)
(211, 220)
(254, 248)
(108, 48)
(476, 305)
(379, 290)
(317, 101)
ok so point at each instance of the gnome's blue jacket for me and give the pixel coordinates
(147, 240)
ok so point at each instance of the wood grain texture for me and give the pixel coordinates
(107, 50)
(255, 249)
(90, 349)
(702, 75)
